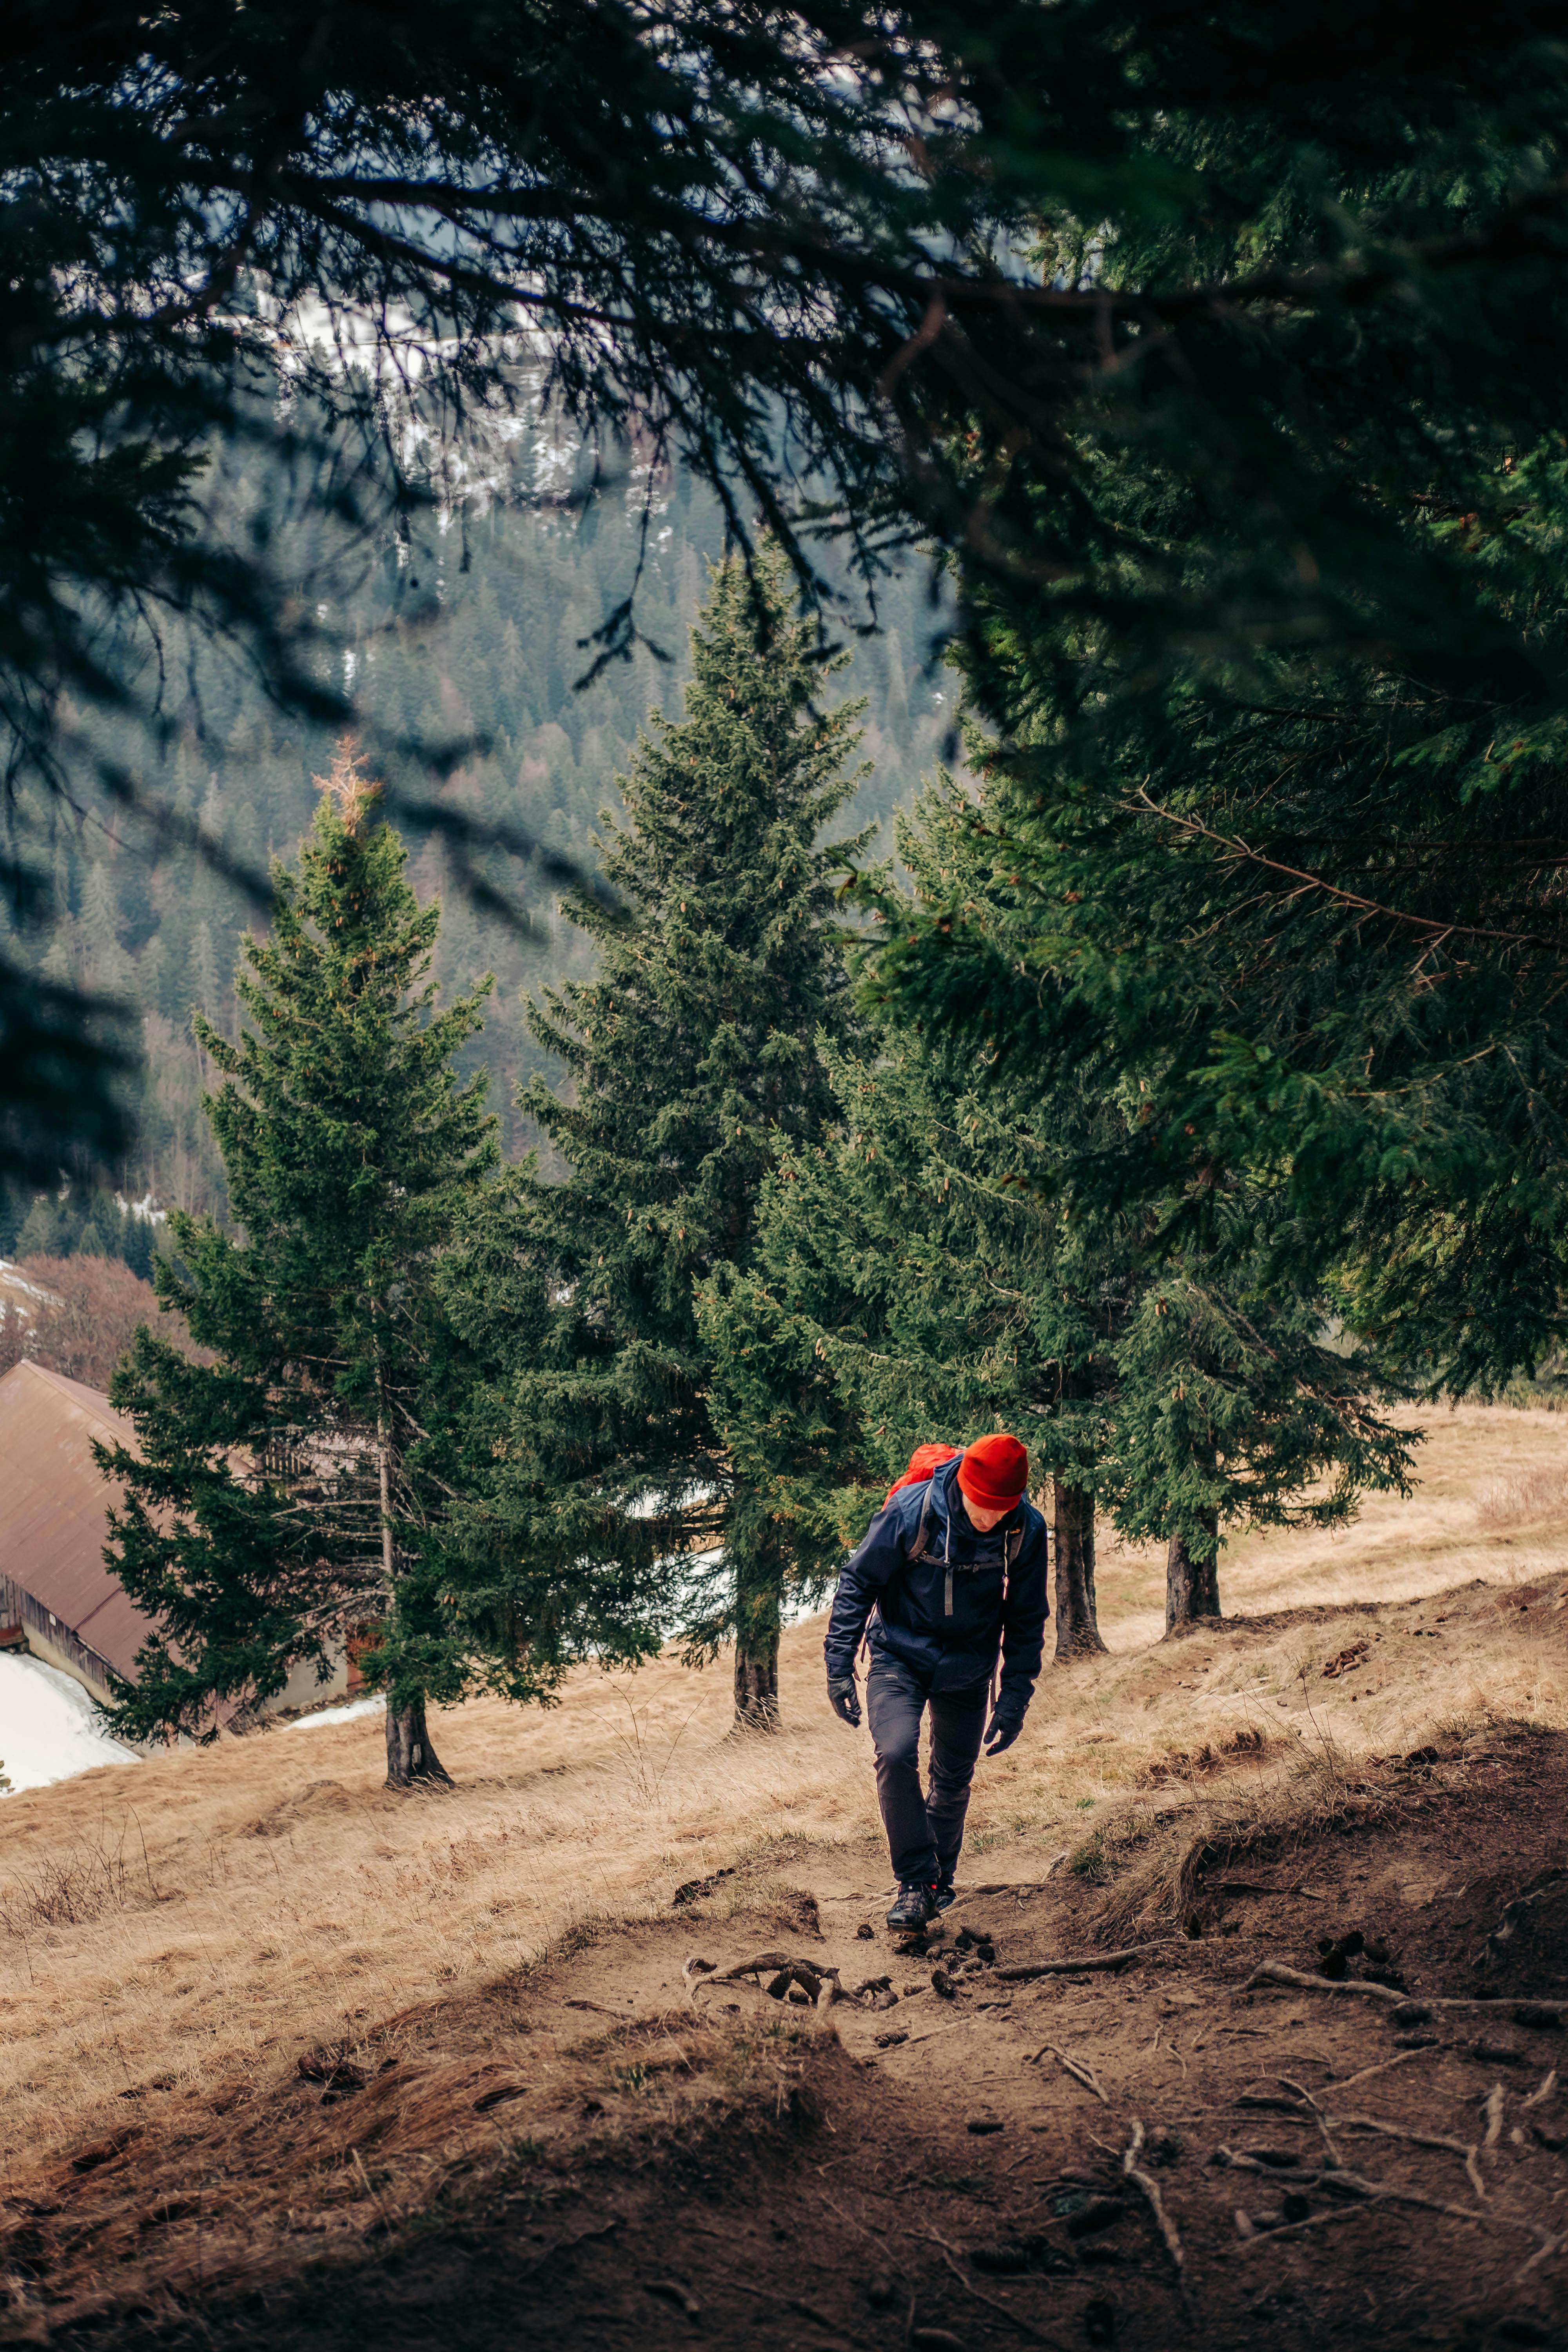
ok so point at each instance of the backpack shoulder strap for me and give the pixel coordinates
(922, 1533)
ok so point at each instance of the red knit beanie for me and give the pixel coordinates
(994, 1471)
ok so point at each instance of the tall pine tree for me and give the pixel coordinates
(900, 1294)
(694, 1067)
(292, 1496)
(923, 1274)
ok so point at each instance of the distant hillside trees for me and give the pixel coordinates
(84, 1220)
(464, 662)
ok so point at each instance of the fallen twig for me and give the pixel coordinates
(1150, 2048)
(1131, 2170)
(1018, 1887)
(1276, 1972)
(1491, 2107)
(1324, 2133)
(1549, 2084)
(1400, 2058)
(929, 2035)
(1547, 2246)
(1257, 2237)
(1077, 2067)
(1372, 2192)
(990, 2302)
(1085, 1963)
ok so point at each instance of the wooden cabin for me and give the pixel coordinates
(59, 1600)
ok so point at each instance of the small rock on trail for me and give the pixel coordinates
(672, 2291)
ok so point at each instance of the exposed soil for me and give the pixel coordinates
(721, 2166)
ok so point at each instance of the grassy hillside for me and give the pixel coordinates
(170, 1928)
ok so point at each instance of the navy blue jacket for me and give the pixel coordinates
(943, 1616)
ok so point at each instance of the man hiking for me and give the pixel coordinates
(950, 1573)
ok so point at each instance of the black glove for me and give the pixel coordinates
(1003, 1729)
(844, 1700)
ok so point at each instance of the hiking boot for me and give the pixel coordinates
(946, 1893)
(914, 1903)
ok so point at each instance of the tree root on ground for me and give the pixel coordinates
(818, 1979)
(1524, 2012)
(1086, 1963)
(1372, 2192)
(1149, 2187)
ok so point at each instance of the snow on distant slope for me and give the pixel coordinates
(329, 1715)
(47, 1727)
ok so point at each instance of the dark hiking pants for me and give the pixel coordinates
(924, 1832)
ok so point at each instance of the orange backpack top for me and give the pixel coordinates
(922, 1462)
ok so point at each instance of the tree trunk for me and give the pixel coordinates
(1191, 1584)
(410, 1759)
(1077, 1628)
(757, 1686)
(758, 1569)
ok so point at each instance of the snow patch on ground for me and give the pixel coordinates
(49, 1730)
(348, 1713)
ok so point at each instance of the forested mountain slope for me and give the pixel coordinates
(464, 641)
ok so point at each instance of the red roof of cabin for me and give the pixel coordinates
(53, 1505)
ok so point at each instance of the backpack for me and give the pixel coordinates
(924, 1462)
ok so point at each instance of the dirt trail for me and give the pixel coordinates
(679, 2169)
(172, 1927)
(285, 2061)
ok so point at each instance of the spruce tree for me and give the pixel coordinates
(923, 1274)
(293, 1496)
(693, 1068)
(1277, 765)
(900, 1294)
(912, 1281)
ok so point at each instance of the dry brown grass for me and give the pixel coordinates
(1530, 1498)
(287, 1904)
(1484, 1472)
